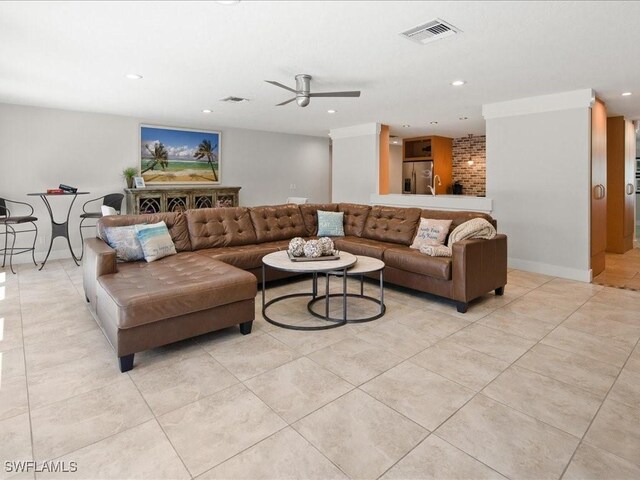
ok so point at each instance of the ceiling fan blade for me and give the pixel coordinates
(284, 103)
(277, 84)
(336, 94)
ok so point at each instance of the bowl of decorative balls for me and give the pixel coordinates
(301, 250)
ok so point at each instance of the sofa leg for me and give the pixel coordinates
(126, 362)
(462, 307)
(500, 291)
(245, 328)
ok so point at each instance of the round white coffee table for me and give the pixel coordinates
(363, 266)
(280, 261)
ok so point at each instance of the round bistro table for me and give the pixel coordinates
(280, 261)
(58, 229)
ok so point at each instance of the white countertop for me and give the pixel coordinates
(437, 202)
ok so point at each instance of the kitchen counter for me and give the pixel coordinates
(437, 202)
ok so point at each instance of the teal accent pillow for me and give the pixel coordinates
(155, 241)
(124, 240)
(330, 224)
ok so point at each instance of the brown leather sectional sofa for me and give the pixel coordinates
(211, 283)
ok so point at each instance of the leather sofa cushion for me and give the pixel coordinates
(279, 222)
(355, 216)
(309, 213)
(391, 224)
(246, 257)
(174, 286)
(220, 227)
(176, 223)
(407, 259)
(363, 246)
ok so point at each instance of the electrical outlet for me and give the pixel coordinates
(292, 186)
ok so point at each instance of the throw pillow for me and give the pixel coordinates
(330, 224)
(124, 240)
(431, 232)
(156, 241)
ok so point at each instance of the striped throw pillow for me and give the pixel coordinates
(155, 240)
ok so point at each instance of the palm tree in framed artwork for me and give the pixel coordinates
(205, 150)
(159, 155)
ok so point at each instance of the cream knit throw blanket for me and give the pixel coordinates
(474, 228)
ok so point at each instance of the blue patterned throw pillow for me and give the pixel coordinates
(155, 240)
(124, 241)
(330, 224)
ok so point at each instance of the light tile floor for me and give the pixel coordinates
(621, 270)
(543, 382)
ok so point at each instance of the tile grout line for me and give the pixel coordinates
(598, 411)
(26, 374)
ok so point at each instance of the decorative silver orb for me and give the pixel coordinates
(296, 246)
(312, 249)
(326, 244)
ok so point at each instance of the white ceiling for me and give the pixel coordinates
(74, 55)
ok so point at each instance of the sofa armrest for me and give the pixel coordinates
(479, 266)
(99, 259)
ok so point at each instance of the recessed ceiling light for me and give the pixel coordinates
(331, 111)
(395, 142)
(433, 123)
(207, 110)
(463, 118)
(133, 76)
(626, 94)
(406, 126)
(228, 2)
(458, 83)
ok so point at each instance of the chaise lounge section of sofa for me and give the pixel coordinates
(211, 282)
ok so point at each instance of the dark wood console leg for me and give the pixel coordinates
(245, 328)
(126, 362)
(500, 291)
(462, 307)
(87, 299)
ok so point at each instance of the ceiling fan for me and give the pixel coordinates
(303, 91)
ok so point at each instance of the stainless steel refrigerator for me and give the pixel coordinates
(417, 177)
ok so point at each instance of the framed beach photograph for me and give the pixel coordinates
(177, 155)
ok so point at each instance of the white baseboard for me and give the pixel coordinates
(548, 269)
(26, 257)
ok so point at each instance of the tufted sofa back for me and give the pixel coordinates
(391, 224)
(457, 218)
(310, 214)
(355, 217)
(277, 222)
(220, 227)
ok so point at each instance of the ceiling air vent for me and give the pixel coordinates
(234, 99)
(431, 31)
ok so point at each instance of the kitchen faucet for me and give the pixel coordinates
(433, 189)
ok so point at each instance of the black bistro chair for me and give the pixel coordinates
(10, 220)
(113, 200)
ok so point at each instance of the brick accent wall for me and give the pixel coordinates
(472, 177)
